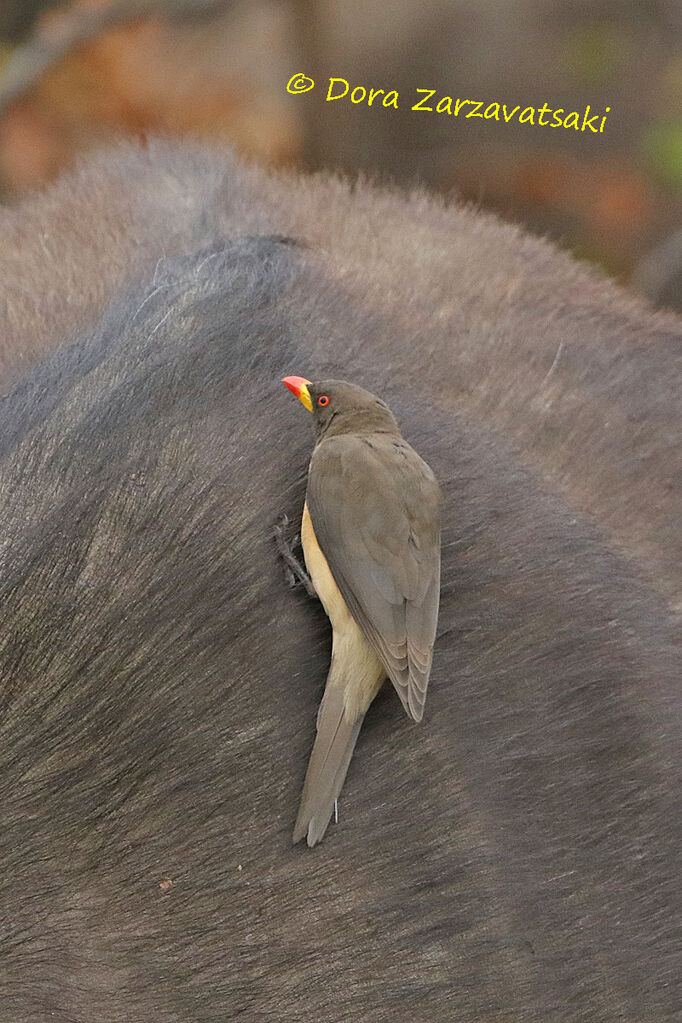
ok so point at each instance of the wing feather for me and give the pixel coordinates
(375, 508)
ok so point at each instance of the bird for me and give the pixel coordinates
(370, 534)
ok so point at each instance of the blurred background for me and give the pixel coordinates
(74, 75)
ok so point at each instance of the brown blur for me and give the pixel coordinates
(217, 69)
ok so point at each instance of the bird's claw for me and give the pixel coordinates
(294, 571)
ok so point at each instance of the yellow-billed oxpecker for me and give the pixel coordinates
(371, 540)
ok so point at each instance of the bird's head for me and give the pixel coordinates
(340, 407)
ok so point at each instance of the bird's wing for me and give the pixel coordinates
(375, 509)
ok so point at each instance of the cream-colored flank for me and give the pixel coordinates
(355, 666)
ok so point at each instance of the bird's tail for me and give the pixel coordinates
(332, 752)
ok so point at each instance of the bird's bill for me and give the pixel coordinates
(299, 387)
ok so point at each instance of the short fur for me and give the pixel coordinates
(493, 324)
(519, 860)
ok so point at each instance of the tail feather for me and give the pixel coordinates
(329, 760)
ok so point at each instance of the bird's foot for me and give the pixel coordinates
(294, 570)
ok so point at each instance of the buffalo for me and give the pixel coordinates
(516, 856)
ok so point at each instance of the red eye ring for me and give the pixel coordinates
(323, 400)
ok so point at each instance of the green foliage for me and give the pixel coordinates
(662, 146)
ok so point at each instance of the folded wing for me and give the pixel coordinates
(375, 508)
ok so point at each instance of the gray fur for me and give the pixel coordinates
(516, 857)
(486, 320)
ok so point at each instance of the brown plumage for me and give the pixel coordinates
(371, 541)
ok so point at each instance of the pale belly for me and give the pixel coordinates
(354, 665)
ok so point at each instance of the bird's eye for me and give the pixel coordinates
(323, 400)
